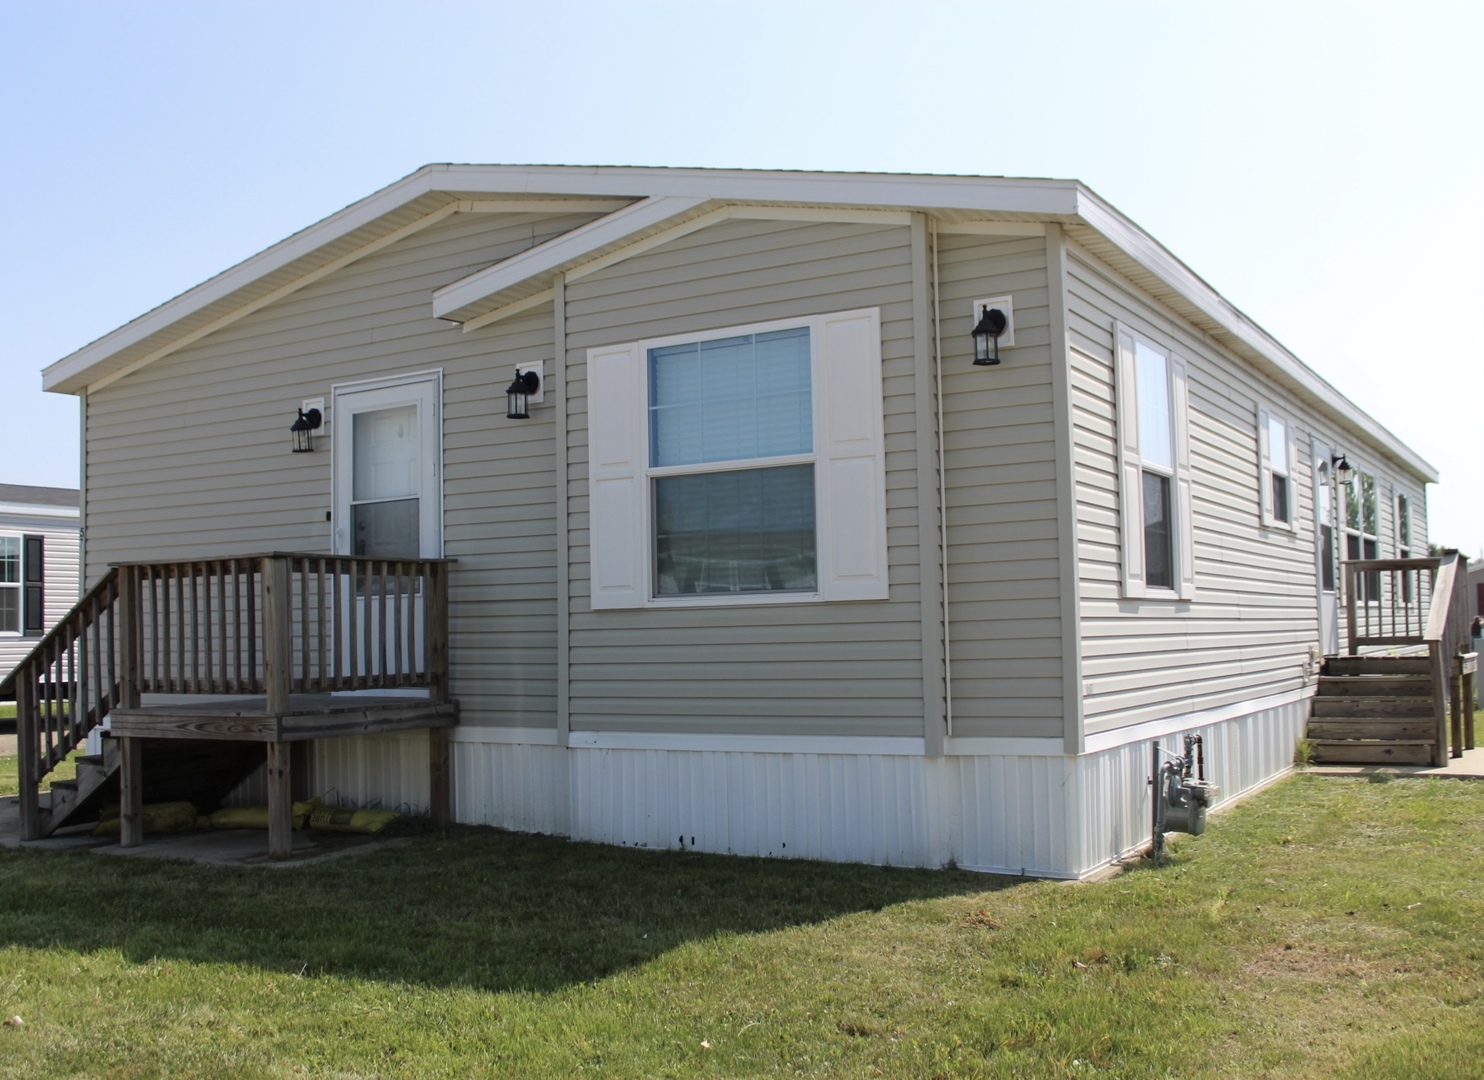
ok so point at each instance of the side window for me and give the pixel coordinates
(1404, 541)
(1154, 469)
(1361, 529)
(1275, 475)
(741, 465)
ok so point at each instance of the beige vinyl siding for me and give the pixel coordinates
(809, 668)
(59, 584)
(1004, 596)
(1248, 631)
(190, 456)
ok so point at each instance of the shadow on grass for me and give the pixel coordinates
(466, 907)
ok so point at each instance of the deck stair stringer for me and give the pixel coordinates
(1374, 710)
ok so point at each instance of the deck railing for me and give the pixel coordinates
(1421, 602)
(289, 623)
(1387, 600)
(271, 625)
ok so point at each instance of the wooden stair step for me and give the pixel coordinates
(1359, 752)
(1378, 665)
(1388, 728)
(1341, 705)
(1376, 685)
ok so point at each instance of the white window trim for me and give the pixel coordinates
(19, 586)
(1270, 519)
(1131, 467)
(1409, 544)
(848, 455)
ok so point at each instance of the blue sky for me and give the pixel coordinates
(1318, 163)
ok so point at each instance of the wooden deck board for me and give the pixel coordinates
(309, 716)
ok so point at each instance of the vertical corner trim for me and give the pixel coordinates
(556, 385)
(929, 518)
(1073, 736)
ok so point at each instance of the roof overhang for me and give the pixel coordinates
(639, 205)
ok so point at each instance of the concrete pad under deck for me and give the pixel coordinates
(224, 847)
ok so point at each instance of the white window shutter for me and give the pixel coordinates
(616, 448)
(1130, 482)
(1184, 507)
(1264, 468)
(850, 457)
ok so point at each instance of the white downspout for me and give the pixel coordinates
(942, 483)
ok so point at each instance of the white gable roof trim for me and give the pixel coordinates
(655, 201)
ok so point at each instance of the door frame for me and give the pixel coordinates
(431, 540)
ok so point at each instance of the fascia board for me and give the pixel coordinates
(543, 258)
(302, 243)
(899, 191)
(1154, 257)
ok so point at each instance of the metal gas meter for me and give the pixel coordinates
(1181, 793)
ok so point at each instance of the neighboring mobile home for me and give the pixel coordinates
(772, 567)
(38, 565)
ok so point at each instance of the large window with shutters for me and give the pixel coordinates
(741, 465)
(1154, 469)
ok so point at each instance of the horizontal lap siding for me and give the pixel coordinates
(1248, 631)
(1004, 596)
(819, 668)
(189, 457)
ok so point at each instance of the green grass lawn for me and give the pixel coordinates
(1330, 926)
(7, 710)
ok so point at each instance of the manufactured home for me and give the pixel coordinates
(881, 518)
(38, 565)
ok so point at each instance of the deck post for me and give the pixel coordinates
(27, 753)
(131, 792)
(1456, 707)
(280, 800)
(437, 632)
(128, 636)
(278, 634)
(440, 779)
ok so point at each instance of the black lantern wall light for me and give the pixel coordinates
(994, 325)
(302, 430)
(1341, 470)
(523, 390)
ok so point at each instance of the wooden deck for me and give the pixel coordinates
(308, 716)
(273, 649)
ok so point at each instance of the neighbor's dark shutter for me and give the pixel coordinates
(33, 571)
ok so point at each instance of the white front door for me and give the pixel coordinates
(388, 448)
(388, 483)
(1326, 524)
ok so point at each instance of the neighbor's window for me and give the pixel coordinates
(1276, 475)
(731, 461)
(10, 584)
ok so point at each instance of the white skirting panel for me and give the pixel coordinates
(867, 808)
(1242, 753)
(385, 771)
(1039, 814)
(511, 785)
